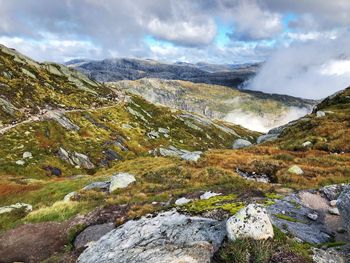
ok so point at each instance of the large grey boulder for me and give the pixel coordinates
(168, 237)
(250, 222)
(121, 180)
(295, 169)
(343, 204)
(241, 143)
(92, 234)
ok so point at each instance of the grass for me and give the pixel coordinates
(288, 218)
(261, 251)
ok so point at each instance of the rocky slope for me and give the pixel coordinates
(124, 68)
(125, 180)
(253, 110)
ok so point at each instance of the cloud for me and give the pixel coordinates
(312, 69)
(254, 23)
(264, 123)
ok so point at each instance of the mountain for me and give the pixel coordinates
(109, 70)
(83, 165)
(253, 110)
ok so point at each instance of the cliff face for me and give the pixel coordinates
(253, 110)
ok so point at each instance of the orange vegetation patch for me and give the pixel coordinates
(7, 189)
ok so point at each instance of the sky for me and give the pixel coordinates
(304, 44)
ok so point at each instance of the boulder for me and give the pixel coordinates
(182, 201)
(241, 143)
(343, 204)
(82, 160)
(333, 211)
(191, 156)
(266, 138)
(153, 135)
(68, 197)
(320, 114)
(295, 169)
(250, 222)
(333, 191)
(208, 195)
(327, 256)
(121, 180)
(102, 186)
(307, 143)
(91, 234)
(333, 203)
(20, 162)
(313, 216)
(168, 237)
(7, 209)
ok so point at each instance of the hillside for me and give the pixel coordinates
(132, 69)
(253, 110)
(28, 87)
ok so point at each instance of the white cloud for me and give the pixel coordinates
(312, 69)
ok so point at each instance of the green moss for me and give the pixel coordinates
(273, 196)
(288, 218)
(217, 202)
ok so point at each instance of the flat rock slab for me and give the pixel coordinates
(168, 237)
(295, 220)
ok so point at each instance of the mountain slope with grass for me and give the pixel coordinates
(71, 172)
(253, 110)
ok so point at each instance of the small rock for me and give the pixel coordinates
(27, 155)
(333, 203)
(333, 211)
(153, 135)
(126, 126)
(68, 197)
(121, 180)
(208, 195)
(296, 170)
(20, 162)
(320, 114)
(241, 143)
(341, 230)
(250, 222)
(10, 208)
(163, 130)
(313, 216)
(182, 201)
(307, 143)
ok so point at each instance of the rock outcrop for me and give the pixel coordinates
(121, 180)
(241, 143)
(343, 204)
(168, 237)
